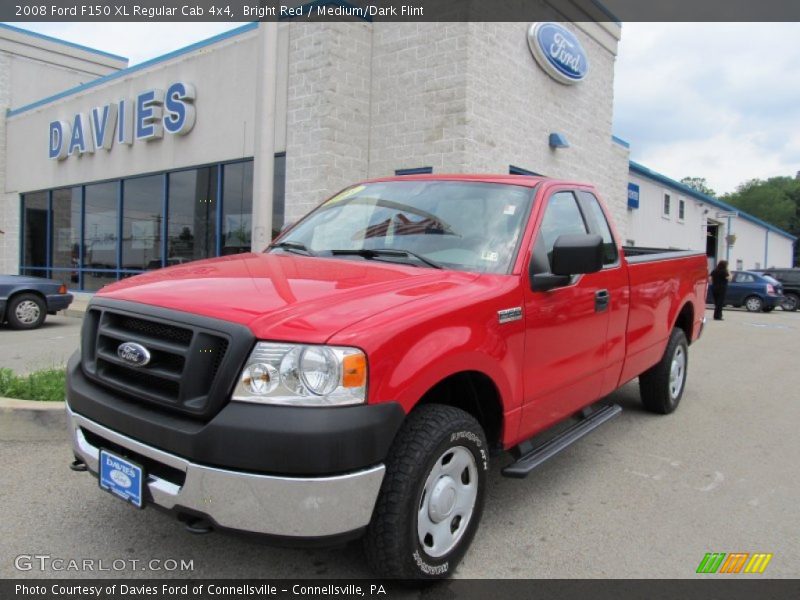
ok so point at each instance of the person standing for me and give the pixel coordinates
(719, 287)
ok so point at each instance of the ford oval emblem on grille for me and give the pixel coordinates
(133, 353)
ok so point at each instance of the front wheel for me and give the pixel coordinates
(432, 497)
(661, 387)
(754, 304)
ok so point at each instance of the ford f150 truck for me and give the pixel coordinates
(356, 378)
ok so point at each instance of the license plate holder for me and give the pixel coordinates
(121, 477)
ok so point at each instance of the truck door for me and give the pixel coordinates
(566, 327)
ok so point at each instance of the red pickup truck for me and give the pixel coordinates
(356, 378)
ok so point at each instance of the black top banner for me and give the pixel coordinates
(401, 10)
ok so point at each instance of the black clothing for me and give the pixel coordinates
(719, 286)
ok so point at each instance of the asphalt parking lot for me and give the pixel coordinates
(642, 497)
(44, 348)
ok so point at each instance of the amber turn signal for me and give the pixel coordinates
(354, 370)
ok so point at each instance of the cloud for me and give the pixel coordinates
(714, 100)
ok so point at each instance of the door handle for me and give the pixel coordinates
(601, 300)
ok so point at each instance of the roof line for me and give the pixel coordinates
(620, 141)
(143, 65)
(642, 170)
(62, 42)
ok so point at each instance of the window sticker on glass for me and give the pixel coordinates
(510, 209)
(490, 256)
(346, 194)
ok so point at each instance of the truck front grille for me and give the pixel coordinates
(186, 358)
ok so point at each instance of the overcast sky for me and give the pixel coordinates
(714, 100)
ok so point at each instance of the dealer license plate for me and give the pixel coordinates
(121, 477)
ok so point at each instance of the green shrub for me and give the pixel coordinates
(47, 385)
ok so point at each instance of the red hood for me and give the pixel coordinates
(286, 297)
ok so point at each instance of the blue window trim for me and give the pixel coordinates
(48, 258)
(81, 242)
(120, 182)
(513, 170)
(164, 220)
(120, 221)
(414, 171)
(218, 236)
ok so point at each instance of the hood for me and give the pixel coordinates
(286, 297)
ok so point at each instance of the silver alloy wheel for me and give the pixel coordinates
(753, 304)
(677, 372)
(789, 302)
(27, 312)
(448, 501)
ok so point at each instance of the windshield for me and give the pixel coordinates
(467, 226)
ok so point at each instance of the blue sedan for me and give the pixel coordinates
(26, 301)
(755, 292)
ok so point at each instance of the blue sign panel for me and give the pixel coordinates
(558, 52)
(633, 195)
(121, 477)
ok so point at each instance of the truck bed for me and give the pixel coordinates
(640, 254)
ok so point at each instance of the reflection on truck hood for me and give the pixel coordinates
(286, 297)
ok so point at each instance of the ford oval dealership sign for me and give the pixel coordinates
(558, 52)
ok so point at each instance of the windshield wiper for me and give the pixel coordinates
(380, 252)
(290, 246)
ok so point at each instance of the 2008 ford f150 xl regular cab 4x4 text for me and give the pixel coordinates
(356, 377)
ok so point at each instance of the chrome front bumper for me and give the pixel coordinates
(283, 506)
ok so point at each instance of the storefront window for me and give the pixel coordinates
(100, 235)
(73, 234)
(66, 237)
(192, 222)
(237, 209)
(34, 257)
(142, 216)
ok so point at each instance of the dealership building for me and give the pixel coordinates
(110, 170)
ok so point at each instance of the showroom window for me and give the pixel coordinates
(35, 208)
(90, 235)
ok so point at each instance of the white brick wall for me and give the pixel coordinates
(328, 111)
(367, 99)
(9, 211)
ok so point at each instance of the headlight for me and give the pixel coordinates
(303, 375)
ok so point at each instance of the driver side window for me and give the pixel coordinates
(562, 216)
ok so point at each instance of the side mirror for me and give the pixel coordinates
(577, 254)
(573, 254)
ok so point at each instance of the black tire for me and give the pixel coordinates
(790, 302)
(26, 311)
(392, 541)
(768, 309)
(753, 304)
(656, 384)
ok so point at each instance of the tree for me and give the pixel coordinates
(698, 184)
(775, 200)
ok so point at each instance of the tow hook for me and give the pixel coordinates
(78, 466)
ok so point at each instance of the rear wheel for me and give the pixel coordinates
(26, 311)
(790, 302)
(431, 499)
(754, 304)
(661, 387)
